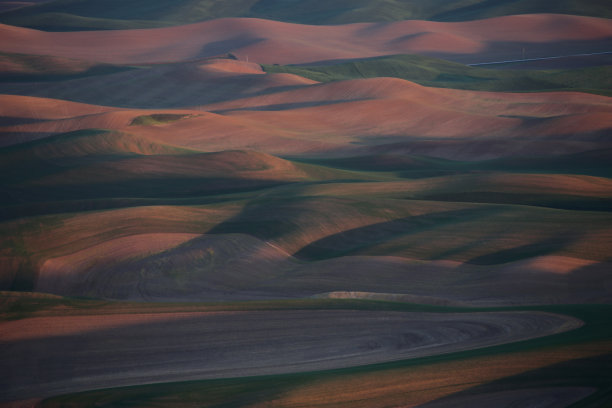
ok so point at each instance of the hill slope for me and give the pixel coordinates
(156, 86)
(355, 117)
(266, 41)
(430, 71)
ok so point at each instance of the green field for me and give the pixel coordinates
(439, 73)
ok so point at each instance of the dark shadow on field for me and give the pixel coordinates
(154, 87)
(559, 201)
(404, 165)
(8, 139)
(266, 219)
(102, 69)
(546, 246)
(472, 148)
(22, 201)
(281, 107)
(358, 239)
(14, 211)
(333, 62)
(411, 166)
(164, 187)
(591, 162)
(591, 377)
(14, 121)
(593, 283)
(215, 48)
(472, 11)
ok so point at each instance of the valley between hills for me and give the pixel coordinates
(266, 206)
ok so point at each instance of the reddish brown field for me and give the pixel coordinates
(349, 117)
(266, 41)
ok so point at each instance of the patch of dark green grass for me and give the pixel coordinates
(156, 119)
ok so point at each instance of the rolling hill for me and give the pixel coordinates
(270, 42)
(156, 86)
(62, 15)
(434, 72)
(280, 121)
(275, 209)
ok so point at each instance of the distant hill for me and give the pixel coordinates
(69, 15)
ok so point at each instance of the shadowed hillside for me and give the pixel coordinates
(157, 86)
(217, 80)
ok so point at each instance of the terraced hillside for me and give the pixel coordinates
(185, 223)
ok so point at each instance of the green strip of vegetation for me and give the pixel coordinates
(439, 73)
(156, 119)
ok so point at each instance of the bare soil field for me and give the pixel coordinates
(266, 41)
(88, 352)
(356, 117)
